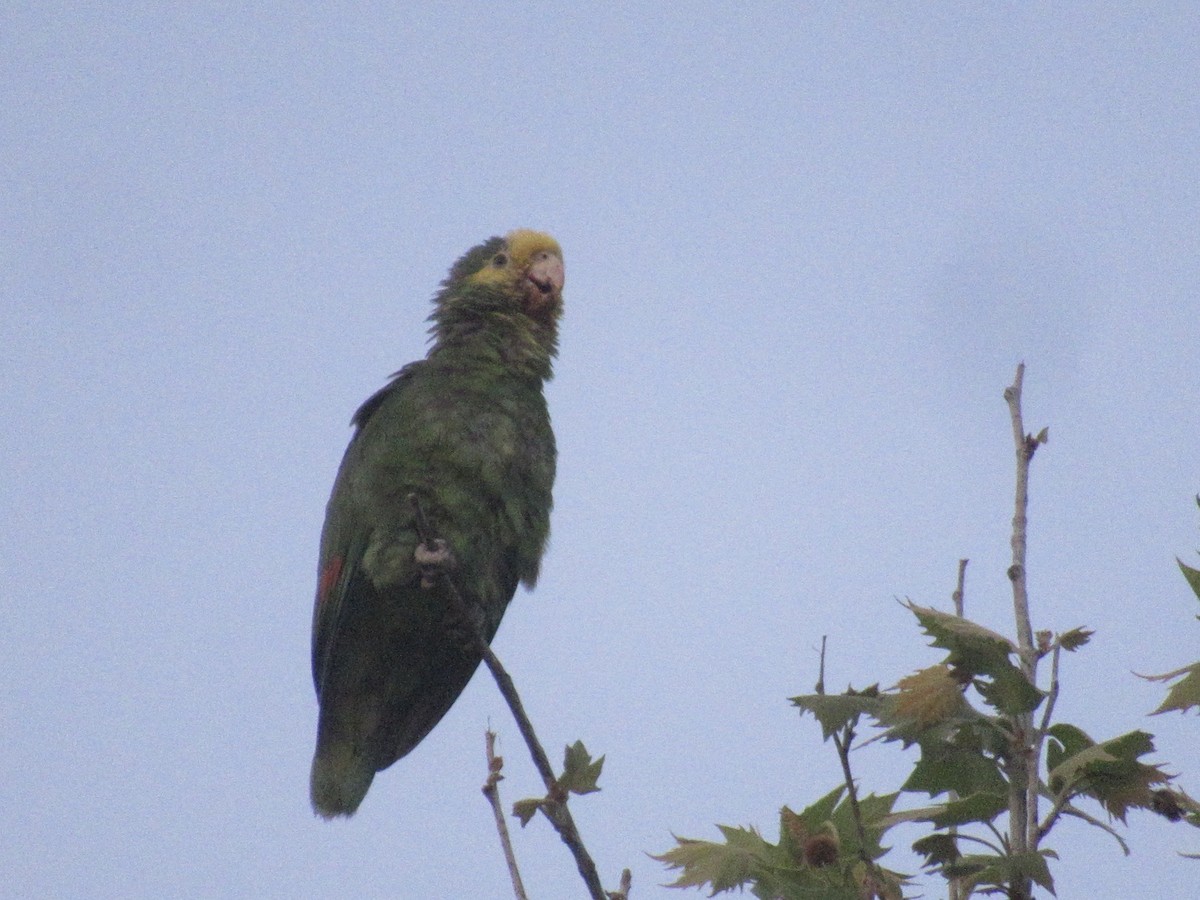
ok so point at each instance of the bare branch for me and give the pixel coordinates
(957, 596)
(1024, 751)
(622, 892)
(956, 886)
(821, 671)
(1016, 572)
(842, 740)
(491, 790)
(555, 806)
(1051, 697)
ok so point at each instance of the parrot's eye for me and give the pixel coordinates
(500, 260)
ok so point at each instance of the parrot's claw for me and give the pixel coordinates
(434, 557)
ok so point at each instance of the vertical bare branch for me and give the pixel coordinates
(957, 596)
(491, 790)
(1026, 743)
(956, 885)
(1016, 573)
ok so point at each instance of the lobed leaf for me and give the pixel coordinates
(1192, 576)
(836, 711)
(580, 771)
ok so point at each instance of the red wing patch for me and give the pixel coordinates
(329, 577)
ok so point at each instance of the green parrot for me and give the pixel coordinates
(467, 431)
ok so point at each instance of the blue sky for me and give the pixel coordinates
(806, 245)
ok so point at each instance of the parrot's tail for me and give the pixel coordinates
(340, 778)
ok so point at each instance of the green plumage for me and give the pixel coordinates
(466, 430)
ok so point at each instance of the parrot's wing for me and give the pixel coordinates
(396, 382)
(333, 589)
(342, 559)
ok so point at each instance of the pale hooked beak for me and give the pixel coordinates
(544, 281)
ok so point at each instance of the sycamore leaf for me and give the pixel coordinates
(580, 771)
(1009, 691)
(1065, 741)
(1192, 576)
(1075, 638)
(1110, 772)
(972, 647)
(929, 696)
(836, 711)
(1063, 776)
(875, 810)
(1185, 694)
(796, 827)
(526, 809)
(978, 651)
(724, 866)
(1002, 871)
(981, 807)
(945, 767)
(938, 849)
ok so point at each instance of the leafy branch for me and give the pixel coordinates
(985, 730)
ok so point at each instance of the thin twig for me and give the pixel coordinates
(622, 892)
(491, 790)
(1051, 697)
(555, 807)
(842, 740)
(1056, 810)
(1072, 810)
(957, 596)
(821, 670)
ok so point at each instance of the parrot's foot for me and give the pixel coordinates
(434, 557)
(465, 617)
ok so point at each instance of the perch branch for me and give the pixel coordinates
(555, 807)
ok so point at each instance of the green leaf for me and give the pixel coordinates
(1074, 768)
(1065, 741)
(835, 711)
(724, 866)
(1109, 772)
(978, 651)
(1002, 871)
(972, 647)
(1185, 694)
(982, 807)
(1192, 576)
(944, 767)
(526, 809)
(938, 849)
(1075, 638)
(580, 771)
(1009, 691)
(814, 816)
(875, 810)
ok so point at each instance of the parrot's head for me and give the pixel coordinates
(506, 284)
